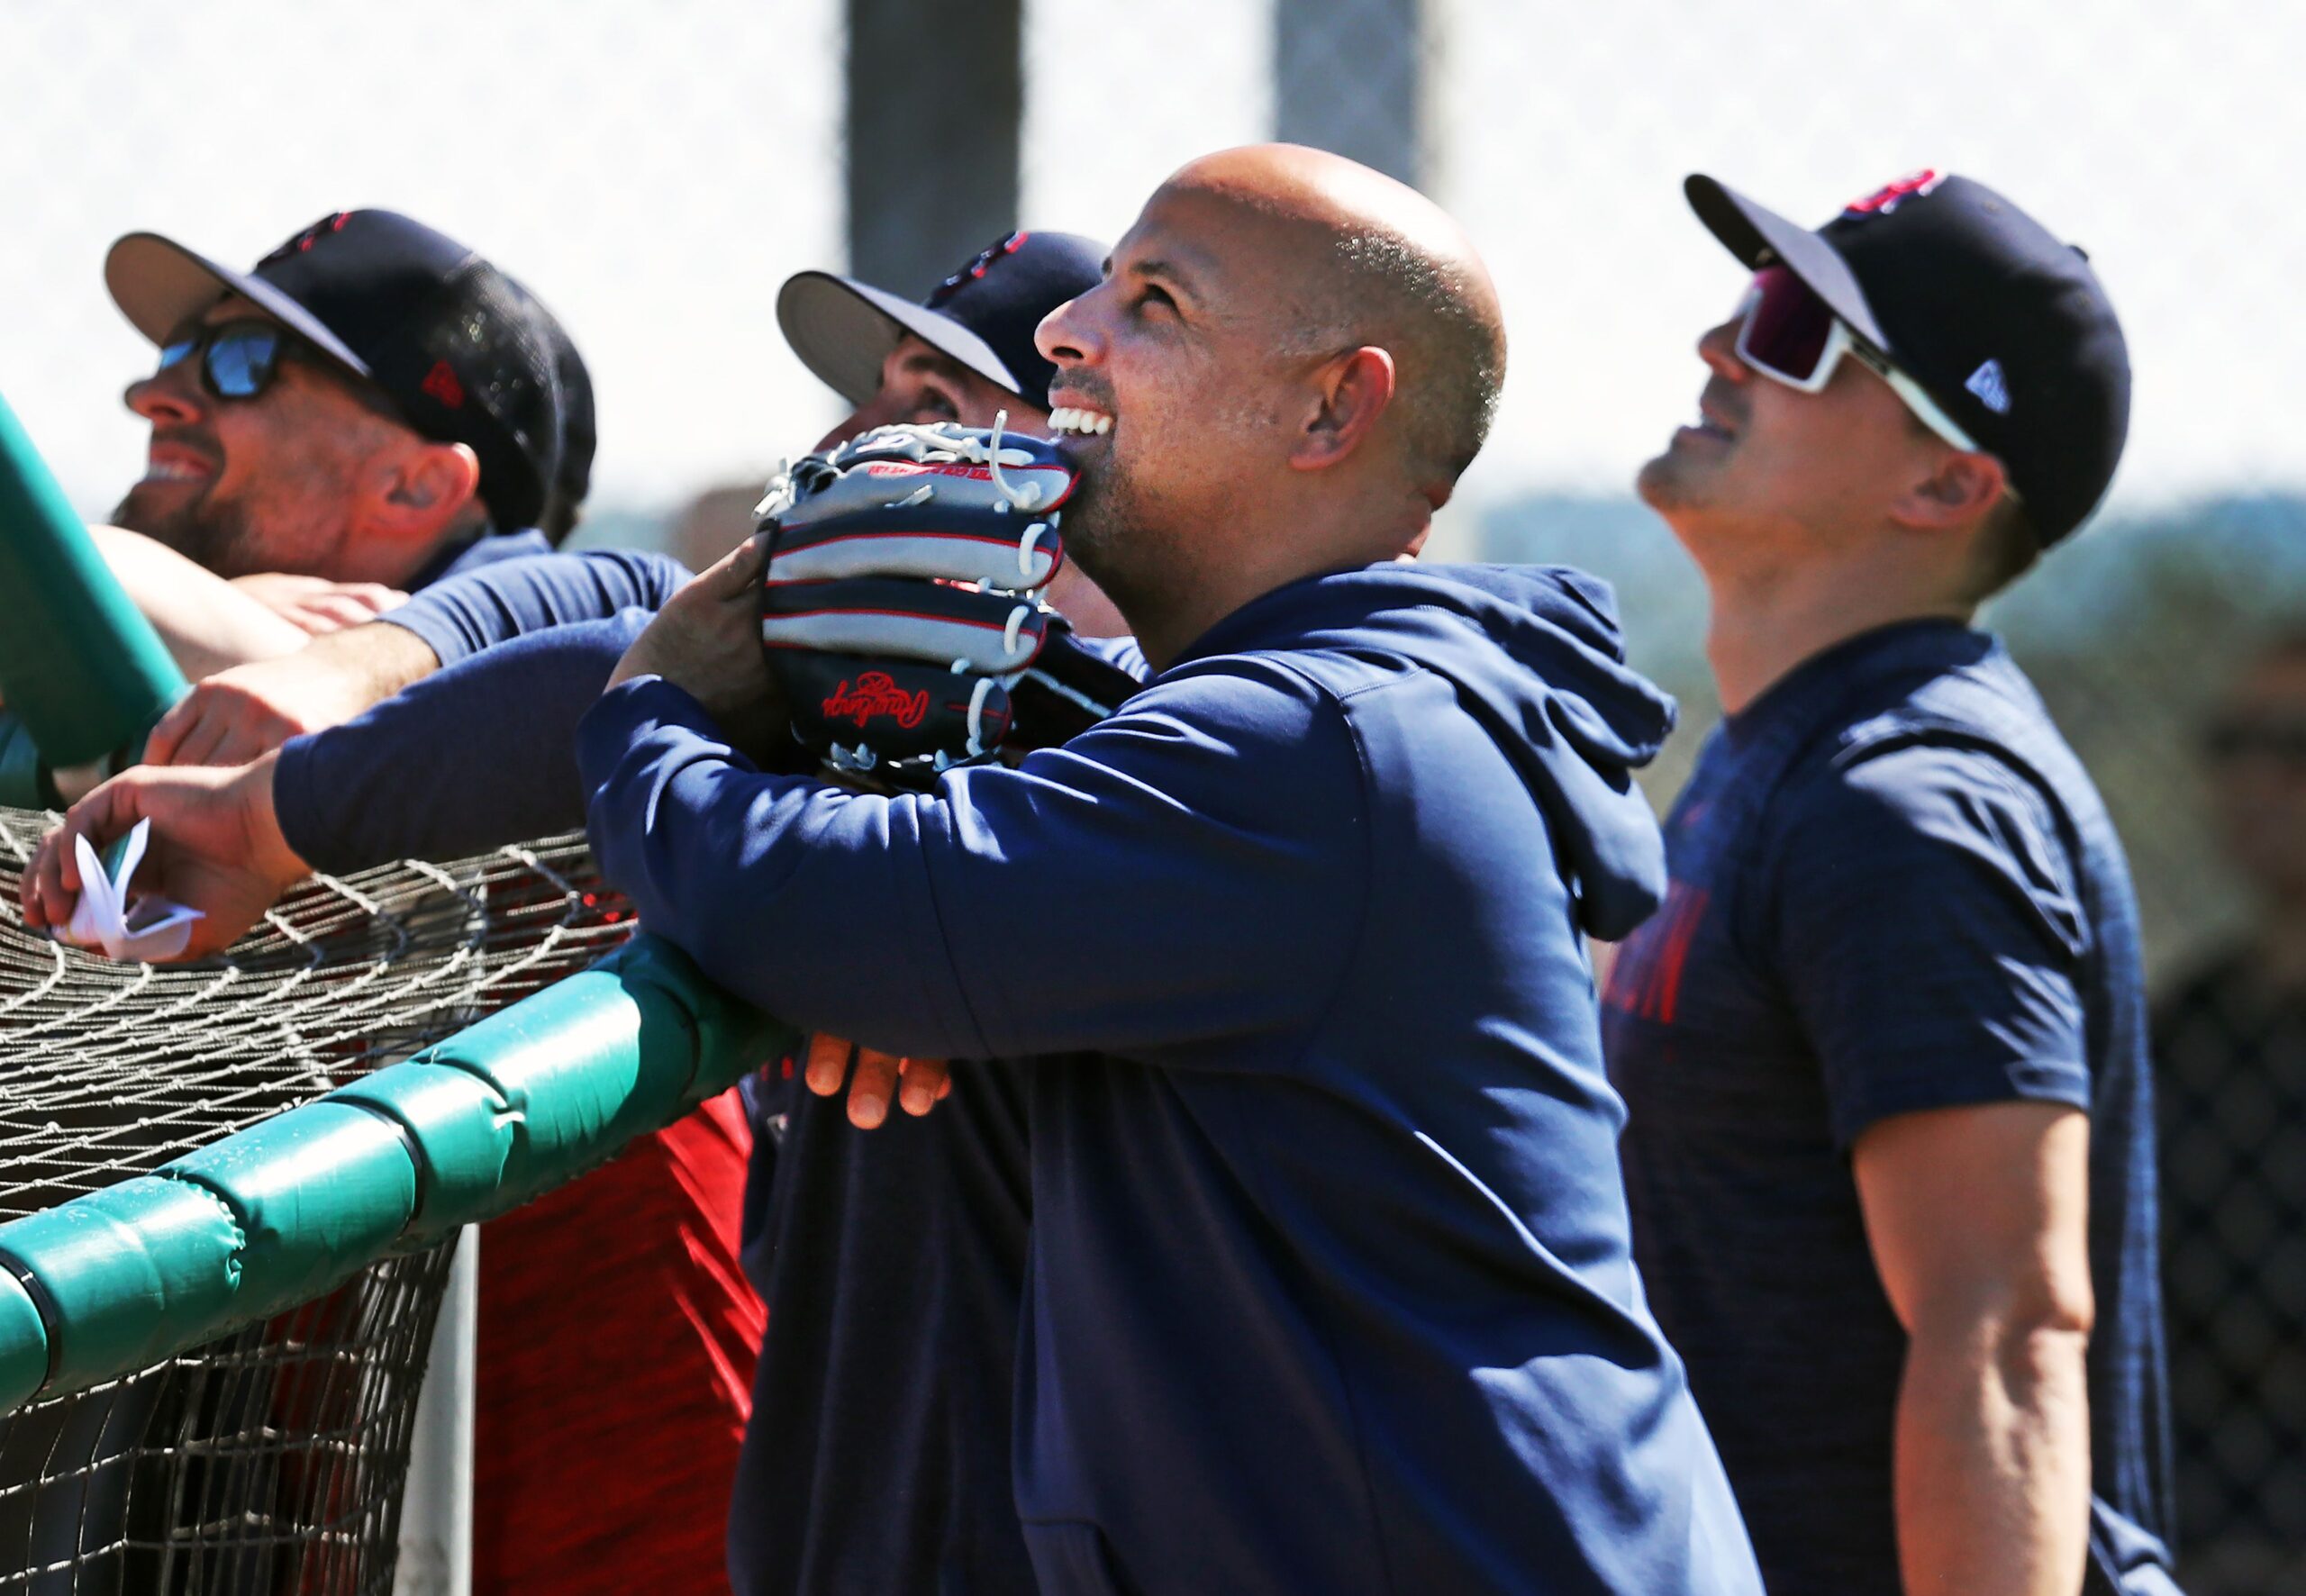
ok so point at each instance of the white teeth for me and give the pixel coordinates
(1088, 423)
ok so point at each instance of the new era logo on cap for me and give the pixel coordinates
(1990, 387)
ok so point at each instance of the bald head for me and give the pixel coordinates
(1371, 261)
(1289, 363)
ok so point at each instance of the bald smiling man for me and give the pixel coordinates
(1330, 1287)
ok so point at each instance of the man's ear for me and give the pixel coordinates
(1351, 391)
(1962, 487)
(427, 488)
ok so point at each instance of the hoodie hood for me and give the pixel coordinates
(1537, 656)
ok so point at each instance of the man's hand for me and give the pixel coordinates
(315, 604)
(706, 641)
(926, 1081)
(238, 715)
(215, 847)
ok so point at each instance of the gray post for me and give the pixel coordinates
(436, 1504)
(1349, 75)
(936, 97)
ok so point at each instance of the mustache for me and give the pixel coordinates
(190, 442)
(1090, 390)
(1722, 400)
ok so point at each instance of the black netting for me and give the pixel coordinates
(271, 1461)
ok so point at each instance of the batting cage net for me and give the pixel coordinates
(272, 1460)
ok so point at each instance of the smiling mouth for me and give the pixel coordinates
(167, 461)
(1079, 421)
(1710, 424)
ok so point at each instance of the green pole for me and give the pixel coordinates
(81, 669)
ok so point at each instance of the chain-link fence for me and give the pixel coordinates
(272, 1461)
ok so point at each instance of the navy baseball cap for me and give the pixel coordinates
(2000, 323)
(983, 315)
(464, 354)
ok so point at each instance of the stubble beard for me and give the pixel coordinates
(1661, 484)
(234, 538)
(1103, 530)
(212, 536)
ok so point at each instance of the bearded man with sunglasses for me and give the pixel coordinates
(364, 406)
(373, 411)
(373, 407)
(1889, 1146)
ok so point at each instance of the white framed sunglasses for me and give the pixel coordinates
(1792, 336)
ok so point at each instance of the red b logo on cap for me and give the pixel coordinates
(442, 384)
(1883, 201)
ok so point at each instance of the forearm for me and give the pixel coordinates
(1009, 913)
(474, 757)
(1993, 1462)
(808, 901)
(374, 661)
(482, 609)
(206, 623)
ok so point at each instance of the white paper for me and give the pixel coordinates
(137, 932)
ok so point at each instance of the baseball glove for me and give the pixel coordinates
(899, 603)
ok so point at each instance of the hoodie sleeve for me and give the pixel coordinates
(492, 736)
(1187, 878)
(460, 615)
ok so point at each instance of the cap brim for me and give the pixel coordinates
(160, 286)
(843, 331)
(1758, 237)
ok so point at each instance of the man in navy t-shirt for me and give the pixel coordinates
(370, 408)
(1890, 1150)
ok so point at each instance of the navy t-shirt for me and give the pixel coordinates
(892, 1263)
(483, 551)
(1893, 889)
(502, 588)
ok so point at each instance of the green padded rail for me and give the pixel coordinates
(279, 1213)
(80, 667)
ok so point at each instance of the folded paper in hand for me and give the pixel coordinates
(147, 929)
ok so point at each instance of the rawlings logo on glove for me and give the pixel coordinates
(900, 601)
(875, 695)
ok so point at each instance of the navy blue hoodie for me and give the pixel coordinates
(1330, 1287)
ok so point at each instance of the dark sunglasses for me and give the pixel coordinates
(1787, 333)
(2280, 742)
(237, 359)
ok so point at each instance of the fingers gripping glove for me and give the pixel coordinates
(899, 604)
